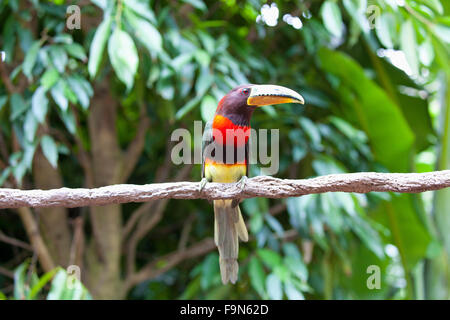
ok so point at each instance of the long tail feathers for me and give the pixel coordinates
(229, 226)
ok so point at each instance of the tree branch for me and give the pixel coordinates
(132, 154)
(164, 263)
(15, 242)
(261, 186)
(36, 240)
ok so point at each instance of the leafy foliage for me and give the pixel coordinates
(371, 72)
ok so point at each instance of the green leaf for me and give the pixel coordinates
(58, 286)
(57, 93)
(198, 4)
(78, 88)
(294, 262)
(385, 29)
(41, 283)
(210, 269)
(332, 19)
(49, 78)
(273, 285)
(257, 276)
(408, 44)
(382, 120)
(147, 34)
(187, 107)
(123, 55)
(165, 85)
(69, 120)
(409, 233)
(67, 287)
(100, 3)
(39, 104)
(311, 130)
(208, 108)
(3, 101)
(292, 293)
(141, 8)
(19, 281)
(50, 150)
(9, 37)
(58, 57)
(5, 174)
(18, 106)
(98, 46)
(269, 257)
(76, 51)
(202, 57)
(30, 126)
(443, 32)
(434, 5)
(274, 225)
(30, 58)
(426, 52)
(204, 81)
(63, 38)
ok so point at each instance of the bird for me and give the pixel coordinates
(225, 159)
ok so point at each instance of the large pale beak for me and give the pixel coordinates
(267, 94)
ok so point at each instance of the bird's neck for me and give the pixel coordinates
(232, 130)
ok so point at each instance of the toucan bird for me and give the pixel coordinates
(225, 159)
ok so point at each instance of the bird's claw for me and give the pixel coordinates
(241, 184)
(202, 184)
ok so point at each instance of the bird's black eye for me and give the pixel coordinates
(245, 91)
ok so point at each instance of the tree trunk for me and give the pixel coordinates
(53, 221)
(103, 256)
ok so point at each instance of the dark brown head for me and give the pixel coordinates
(238, 105)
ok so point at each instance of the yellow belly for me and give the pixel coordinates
(224, 173)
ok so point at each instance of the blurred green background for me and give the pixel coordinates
(96, 105)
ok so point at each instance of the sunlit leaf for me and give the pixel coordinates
(123, 55)
(140, 7)
(273, 285)
(208, 108)
(145, 33)
(30, 126)
(58, 95)
(385, 29)
(30, 58)
(50, 150)
(98, 45)
(58, 57)
(199, 4)
(331, 17)
(292, 293)
(408, 44)
(39, 104)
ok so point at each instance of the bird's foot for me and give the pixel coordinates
(241, 184)
(202, 184)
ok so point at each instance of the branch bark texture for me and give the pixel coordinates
(261, 186)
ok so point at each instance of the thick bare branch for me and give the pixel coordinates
(261, 186)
